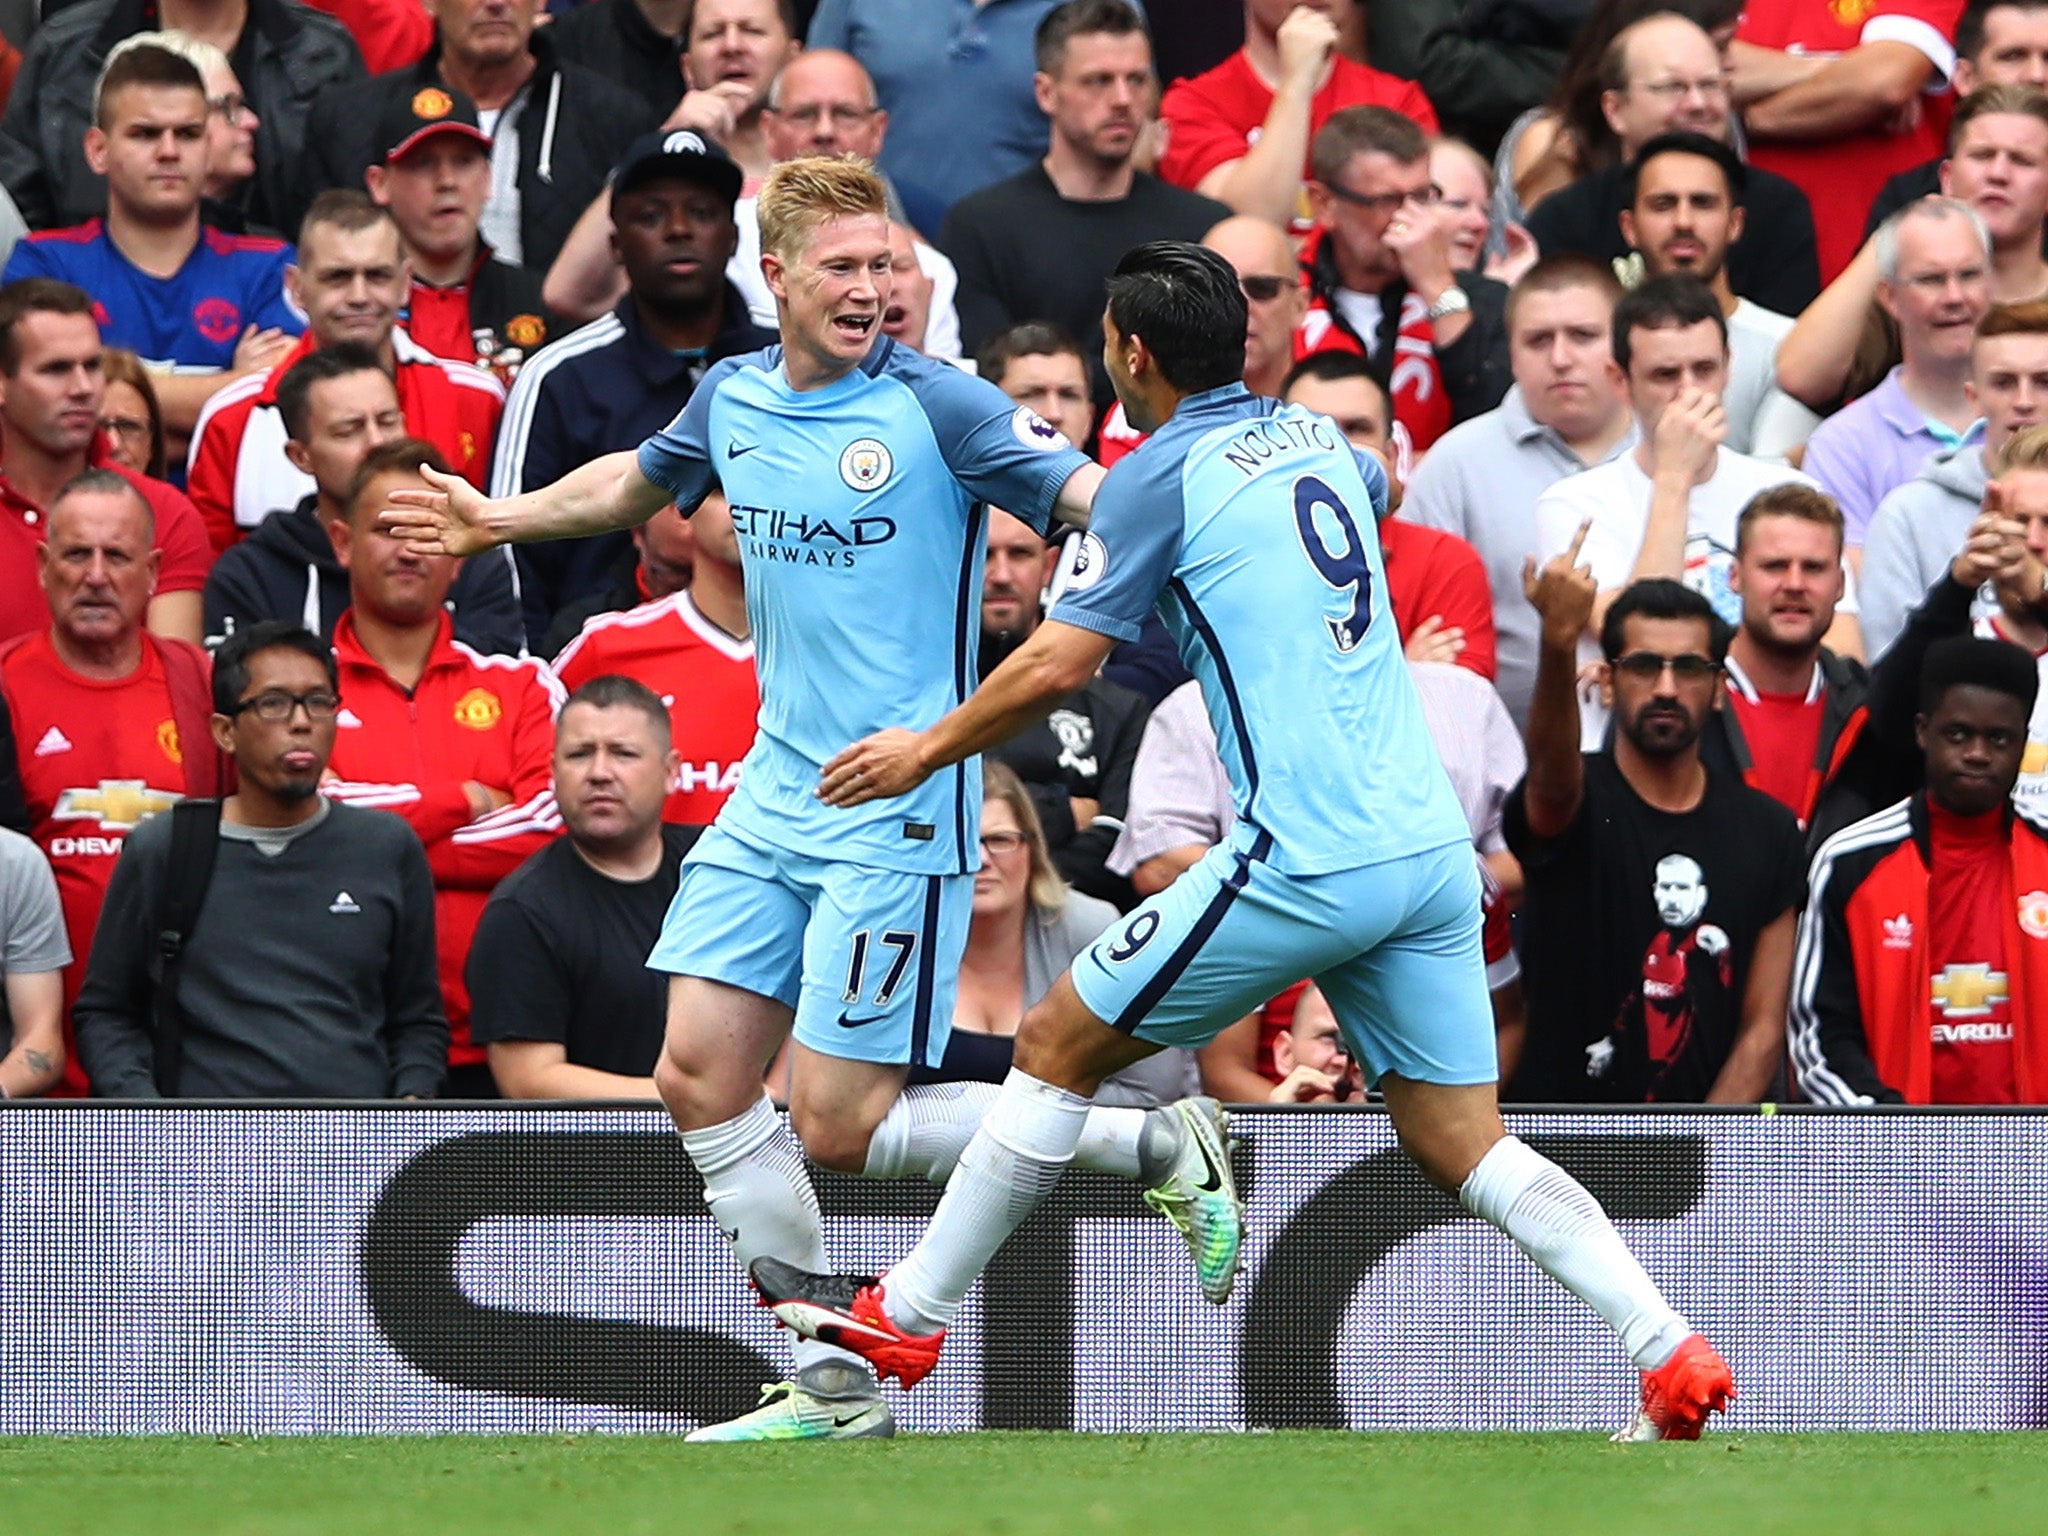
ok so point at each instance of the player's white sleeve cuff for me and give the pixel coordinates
(1919, 35)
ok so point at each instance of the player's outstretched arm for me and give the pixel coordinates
(455, 518)
(1562, 594)
(1057, 659)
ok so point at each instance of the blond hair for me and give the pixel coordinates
(1048, 892)
(801, 194)
(2026, 449)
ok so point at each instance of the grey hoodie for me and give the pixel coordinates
(1913, 538)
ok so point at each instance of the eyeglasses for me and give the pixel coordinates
(1713, 88)
(231, 107)
(274, 706)
(1647, 667)
(1264, 287)
(128, 428)
(807, 117)
(1385, 202)
(1002, 842)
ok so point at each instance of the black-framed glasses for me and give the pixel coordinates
(1263, 287)
(1386, 202)
(840, 116)
(1647, 666)
(274, 706)
(1002, 842)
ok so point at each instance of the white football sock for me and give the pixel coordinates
(926, 1130)
(1013, 1162)
(929, 1126)
(1557, 1223)
(760, 1195)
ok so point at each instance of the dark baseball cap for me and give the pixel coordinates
(677, 152)
(413, 117)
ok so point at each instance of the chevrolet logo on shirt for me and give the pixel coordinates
(116, 803)
(1969, 991)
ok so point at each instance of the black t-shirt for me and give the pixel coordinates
(1026, 253)
(561, 955)
(1637, 932)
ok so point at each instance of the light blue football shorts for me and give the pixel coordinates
(868, 958)
(1394, 946)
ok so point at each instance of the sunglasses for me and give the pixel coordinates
(1263, 287)
(1648, 666)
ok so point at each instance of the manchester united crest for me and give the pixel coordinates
(478, 710)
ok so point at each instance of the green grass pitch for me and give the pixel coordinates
(1293, 1484)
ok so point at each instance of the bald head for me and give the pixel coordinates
(823, 103)
(1663, 75)
(1264, 260)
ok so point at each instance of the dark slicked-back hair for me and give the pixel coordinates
(1661, 598)
(1031, 338)
(295, 389)
(1700, 147)
(1077, 18)
(1970, 30)
(35, 296)
(1185, 301)
(615, 692)
(1966, 661)
(1673, 303)
(231, 661)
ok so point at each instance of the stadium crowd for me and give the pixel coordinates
(1707, 344)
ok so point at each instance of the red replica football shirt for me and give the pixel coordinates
(97, 759)
(704, 676)
(1215, 117)
(1841, 177)
(483, 719)
(1435, 574)
(1783, 732)
(1969, 1009)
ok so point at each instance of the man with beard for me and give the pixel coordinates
(1607, 915)
(622, 378)
(309, 972)
(1921, 979)
(1685, 208)
(1076, 761)
(1793, 708)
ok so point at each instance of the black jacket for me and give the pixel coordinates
(1482, 63)
(1084, 749)
(288, 54)
(614, 38)
(286, 569)
(1475, 367)
(1775, 263)
(573, 129)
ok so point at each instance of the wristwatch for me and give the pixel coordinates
(1452, 301)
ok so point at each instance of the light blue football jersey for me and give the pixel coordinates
(1251, 526)
(859, 508)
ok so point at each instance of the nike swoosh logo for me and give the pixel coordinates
(734, 450)
(1214, 1182)
(851, 1418)
(873, 1018)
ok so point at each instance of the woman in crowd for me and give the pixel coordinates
(1026, 929)
(128, 415)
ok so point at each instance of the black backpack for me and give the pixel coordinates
(195, 844)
